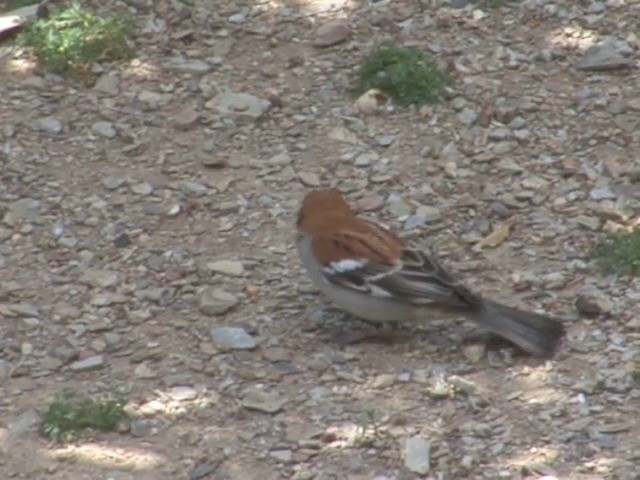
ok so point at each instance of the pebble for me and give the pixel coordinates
(430, 214)
(189, 66)
(24, 310)
(215, 301)
(108, 84)
(385, 140)
(398, 207)
(284, 455)
(100, 278)
(227, 267)
(113, 182)
(309, 179)
(366, 159)
(602, 57)
(144, 371)
(467, 116)
(414, 221)
(88, 364)
(143, 188)
(104, 129)
(331, 33)
(239, 105)
(417, 455)
(27, 208)
(49, 124)
(602, 193)
(262, 401)
(232, 338)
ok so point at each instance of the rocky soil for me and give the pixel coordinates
(146, 243)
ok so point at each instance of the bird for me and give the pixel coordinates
(368, 271)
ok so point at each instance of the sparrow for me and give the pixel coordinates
(370, 272)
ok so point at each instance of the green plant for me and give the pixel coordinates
(619, 252)
(74, 37)
(70, 413)
(405, 74)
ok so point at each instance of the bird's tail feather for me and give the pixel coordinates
(537, 334)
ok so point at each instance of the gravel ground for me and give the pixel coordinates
(146, 243)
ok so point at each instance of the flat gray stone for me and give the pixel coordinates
(232, 338)
(91, 363)
(239, 105)
(602, 57)
(417, 455)
(215, 301)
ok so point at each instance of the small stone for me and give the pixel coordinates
(417, 455)
(142, 188)
(592, 223)
(384, 380)
(602, 193)
(215, 301)
(227, 267)
(398, 207)
(467, 116)
(49, 124)
(21, 425)
(451, 169)
(385, 140)
(370, 203)
(189, 66)
(239, 18)
(185, 118)
(143, 371)
(331, 33)
(181, 394)
(100, 278)
(108, 84)
(113, 182)
(535, 183)
(104, 129)
(602, 57)
(232, 338)
(366, 159)
(88, 364)
(309, 179)
(450, 153)
(262, 401)
(141, 427)
(284, 456)
(430, 214)
(239, 105)
(122, 240)
(414, 221)
(280, 159)
(193, 188)
(26, 208)
(24, 310)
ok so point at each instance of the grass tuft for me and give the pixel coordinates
(73, 38)
(619, 252)
(406, 74)
(70, 414)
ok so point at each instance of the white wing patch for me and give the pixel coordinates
(344, 266)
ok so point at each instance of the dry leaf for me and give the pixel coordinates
(496, 237)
